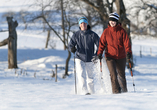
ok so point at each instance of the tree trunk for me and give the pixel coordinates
(123, 18)
(48, 38)
(67, 63)
(62, 10)
(12, 43)
(103, 13)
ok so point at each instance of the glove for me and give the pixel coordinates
(94, 59)
(128, 55)
(73, 49)
(100, 56)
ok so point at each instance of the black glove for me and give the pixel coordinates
(100, 56)
(73, 49)
(128, 55)
(94, 59)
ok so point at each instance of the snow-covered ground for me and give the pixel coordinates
(32, 87)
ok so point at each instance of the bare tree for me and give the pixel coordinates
(46, 13)
(63, 27)
(12, 43)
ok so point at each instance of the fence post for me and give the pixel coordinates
(56, 74)
(140, 51)
(150, 51)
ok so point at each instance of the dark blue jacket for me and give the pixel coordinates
(85, 42)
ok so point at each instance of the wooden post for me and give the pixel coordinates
(12, 43)
(140, 51)
(56, 74)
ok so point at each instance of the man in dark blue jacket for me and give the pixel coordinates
(83, 43)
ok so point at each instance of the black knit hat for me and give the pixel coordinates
(113, 17)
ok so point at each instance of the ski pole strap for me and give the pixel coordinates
(100, 66)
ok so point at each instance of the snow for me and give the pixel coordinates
(32, 87)
(15, 5)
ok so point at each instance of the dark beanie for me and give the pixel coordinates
(113, 17)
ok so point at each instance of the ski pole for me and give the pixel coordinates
(75, 75)
(101, 74)
(131, 73)
(100, 66)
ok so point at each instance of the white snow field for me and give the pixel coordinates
(31, 87)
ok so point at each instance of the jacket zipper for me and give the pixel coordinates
(85, 46)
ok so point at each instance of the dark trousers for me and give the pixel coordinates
(117, 72)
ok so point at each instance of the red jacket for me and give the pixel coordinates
(117, 40)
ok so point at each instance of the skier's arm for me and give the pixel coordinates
(127, 43)
(72, 42)
(97, 42)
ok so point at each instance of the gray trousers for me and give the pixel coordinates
(117, 72)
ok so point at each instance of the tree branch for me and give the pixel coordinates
(42, 16)
(4, 42)
(149, 5)
(91, 4)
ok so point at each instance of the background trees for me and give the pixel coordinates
(144, 14)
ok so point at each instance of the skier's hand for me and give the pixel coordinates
(128, 56)
(73, 49)
(94, 59)
(100, 56)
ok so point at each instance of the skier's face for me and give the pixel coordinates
(112, 23)
(83, 26)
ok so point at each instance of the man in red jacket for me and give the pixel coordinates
(117, 44)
